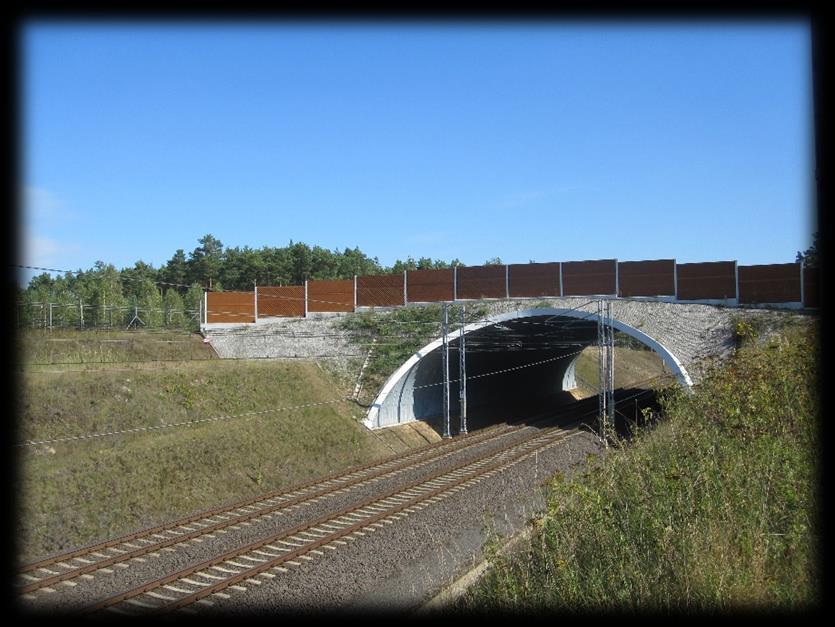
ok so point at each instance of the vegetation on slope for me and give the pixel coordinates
(714, 509)
(182, 436)
(636, 366)
(397, 334)
(72, 349)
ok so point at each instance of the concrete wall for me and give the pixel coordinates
(413, 391)
(688, 332)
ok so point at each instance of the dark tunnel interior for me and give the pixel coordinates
(516, 370)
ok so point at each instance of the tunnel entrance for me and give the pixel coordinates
(519, 367)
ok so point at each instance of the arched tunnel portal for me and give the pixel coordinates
(519, 361)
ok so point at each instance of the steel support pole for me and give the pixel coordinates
(601, 371)
(611, 364)
(605, 368)
(462, 374)
(445, 358)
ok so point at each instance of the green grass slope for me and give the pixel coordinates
(135, 442)
(714, 509)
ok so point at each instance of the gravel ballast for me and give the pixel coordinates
(401, 566)
(397, 567)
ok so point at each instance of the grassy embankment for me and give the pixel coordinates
(75, 492)
(636, 366)
(714, 509)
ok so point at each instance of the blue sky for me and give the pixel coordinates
(544, 141)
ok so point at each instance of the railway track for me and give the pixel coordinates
(67, 566)
(263, 559)
(268, 556)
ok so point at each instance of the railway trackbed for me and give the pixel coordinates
(249, 543)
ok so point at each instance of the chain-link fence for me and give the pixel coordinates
(36, 315)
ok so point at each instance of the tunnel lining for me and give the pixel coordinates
(381, 411)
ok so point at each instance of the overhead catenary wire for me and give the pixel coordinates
(247, 315)
(515, 343)
(310, 357)
(495, 372)
(75, 438)
(346, 303)
(120, 278)
(489, 319)
(89, 436)
(65, 439)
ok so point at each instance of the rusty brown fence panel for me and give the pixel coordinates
(585, 278)
(769, 283)
(230, 307)
(482, 282)
(647, 278)
(534, 279)
(713, 280)
(811, 287)
(383, 290)
(430, 286)
(285, 302)
(335, 295)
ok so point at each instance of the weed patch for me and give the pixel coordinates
(713, 509)
(171, 439)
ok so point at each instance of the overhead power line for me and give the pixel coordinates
(121, 278)
(89, 436)
(308, 405)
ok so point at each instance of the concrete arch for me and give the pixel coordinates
(408, 382)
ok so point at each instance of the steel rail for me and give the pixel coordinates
(418, 458)
(550, 437)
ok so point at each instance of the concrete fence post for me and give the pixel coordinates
(617, 279)
(506, 281)
(675, 279)
(454, 282)
(305, 298)
(405, 289)
(561, 288)
(256, 302)
(355, 292)
(736, 282)
(802, 284)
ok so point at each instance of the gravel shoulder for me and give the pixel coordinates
(399, 568)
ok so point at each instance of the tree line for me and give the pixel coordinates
(178, 285)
